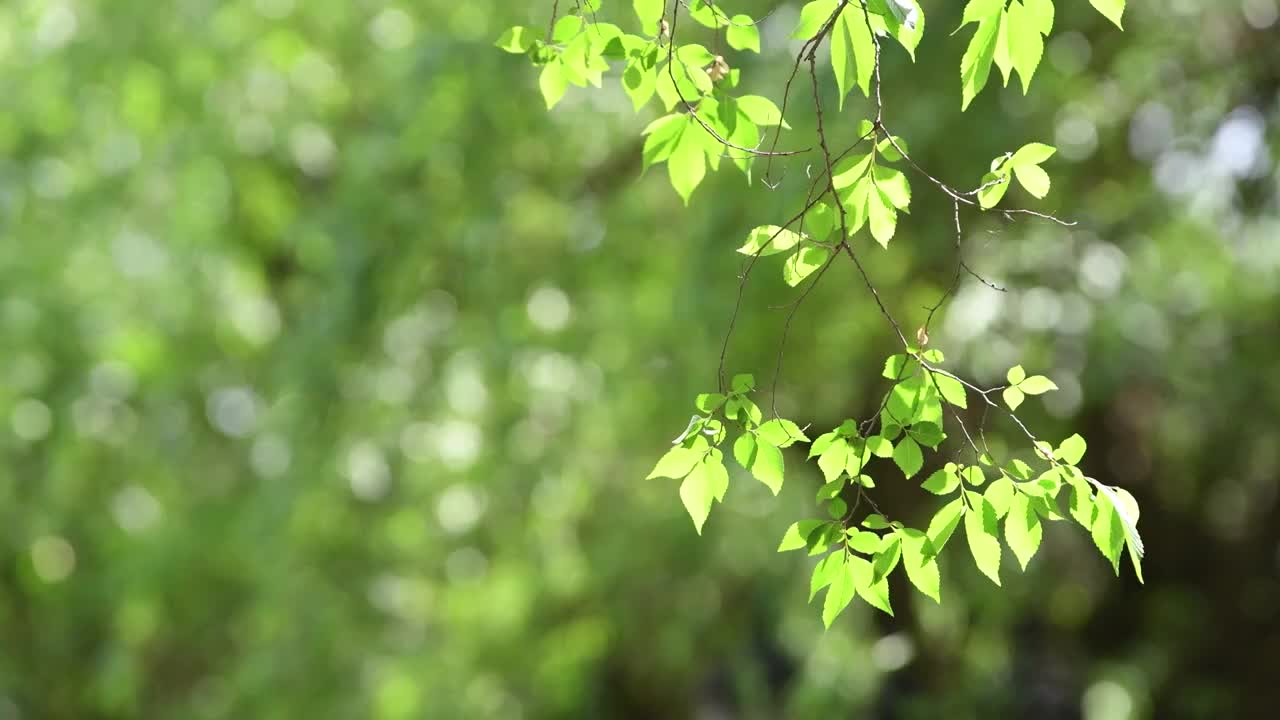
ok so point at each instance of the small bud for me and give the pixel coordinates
(922, 336)
(718, 69)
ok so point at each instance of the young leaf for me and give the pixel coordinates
(812, 18)
(839, 594)
(676, 463)
(994, 186)
(882, 216)
(1071, 450)
(1032, 154)
(886, 559)
(552, 82)
(782, 433)
(1022, 529)
(875, 594)
(743, 382)
(1035, 180)
(639, 82)
(1013, 397)
(797, 536)
(804, 263)
(1111, 9)
(761, 110)
(908, 457)
(1016, 375)
(1000, 494)
(824, 572)
(952, 390)
(864, 542)
(941, 482)
(921, 563)
(893, 185)
(880, 446)
(709, 402)
(944, 523)
(1037, 385)
(984, 545)
(516, 40)
(833, 459)
(1026, 44)
(830, 490)
(769, 240)
(852, 52)
(1108, 533)
(697, 494)
(687, 164)
(767, 466)
(975, 66)
(742, 34)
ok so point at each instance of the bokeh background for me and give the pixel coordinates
(331, 365)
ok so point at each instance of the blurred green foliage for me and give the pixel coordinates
(331, 365)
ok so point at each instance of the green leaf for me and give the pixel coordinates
(744, 450)
(639, 82)
(830, 490)
(875, 521)
(833, 459)
(927, 434)
(1126, 509)
(1033, 178)
(1108, 533)
(897, 367)
(853, 52)
(661, 137)
(944, 523)
(875, 594)
(812, 17)
(979, 10)
(864, 542)
(516, 40)
(717, 475)
(1041, 14)
(697, 493)
(1037, 385)
(1111, 9)
(797, 536)
(1081, 504)
(1013, 397)
(941, 482)
(984, 544)
(676, 463)
(743, 382)
(742, 34)
(1032, 154)
(761, 110)
(823, 442)
(893, 185)
(975, 66)
(687, 164)
(859, 455)
(882, 216)
(770, 240)
(839, 594)
(1000, 494)
(566, 28)
(552, 83)
(824, 572)
(709, 402)
(908, 457)
(820, 221)
(767, 467)
(920, 560)
(1016, 375)
(850, 170)
(887, 558)
(1022, 529)
(992, 192)
(782, 433)
(973, 475)
(880, 446)
(806, 261)
(837, 508)
(1026, 44)
(952, 390)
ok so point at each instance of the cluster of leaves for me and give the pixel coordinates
(706, 120)
(1011, 35)
(697, 460)
(992, 501)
